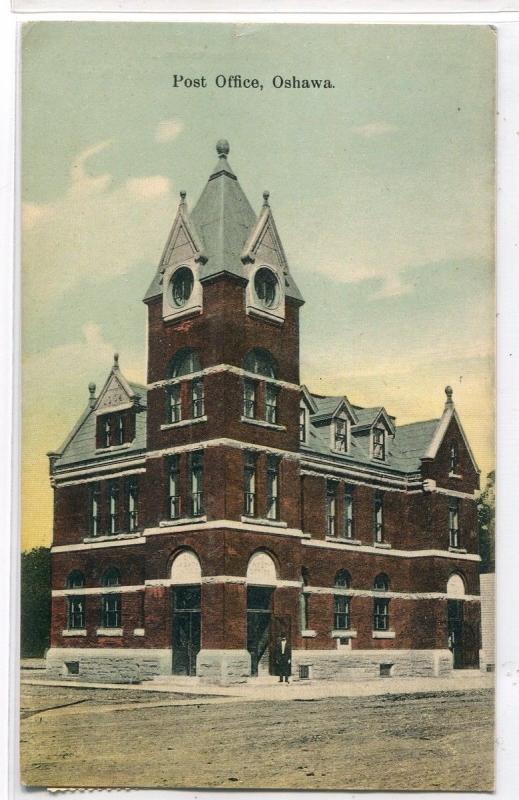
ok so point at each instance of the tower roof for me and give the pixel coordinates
(223, 220)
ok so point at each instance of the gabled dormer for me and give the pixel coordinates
(307, 407)
(338, 416)
(179, 267)
(374, 427)
(115, 410)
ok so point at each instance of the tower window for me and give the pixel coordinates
(272, 487)
(266, 287)
(249, 399)
(174, 403)
(454, 523)
(184, 362)
(197, 398)
(260, 362)
(271, 403)
(379, 444)
(174, 488)
(132, 490)
(196, 481)
(249, 485)
(181, 286)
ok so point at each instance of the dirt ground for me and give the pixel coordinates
(121, 738)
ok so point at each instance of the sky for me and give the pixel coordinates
(382, 189)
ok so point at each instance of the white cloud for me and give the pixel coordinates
(95, 231)
(168, 129)
(375, 128)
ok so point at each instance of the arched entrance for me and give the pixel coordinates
(455, 595)
(186, 576)
(261, 582)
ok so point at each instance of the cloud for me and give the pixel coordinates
(375, 128)
(96, 231)
(168, 129)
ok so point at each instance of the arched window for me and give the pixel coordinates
(456, 586)
(343, 579)
(260, 362)
(261, 570)
(111, 577)
(381, 582)
(76, 579)
(184, 362)
(186, 568)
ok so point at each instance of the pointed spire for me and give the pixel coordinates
(222, 148)
(266, 196)
(92, 394)
(222, 166)
(449, 402)
(116, 362)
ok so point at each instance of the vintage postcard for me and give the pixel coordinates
(258, 406)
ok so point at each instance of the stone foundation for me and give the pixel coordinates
(365, 665)
(107, 665)
(223, 667)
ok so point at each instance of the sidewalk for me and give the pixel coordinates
(270, 689)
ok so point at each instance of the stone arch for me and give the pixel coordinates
(261, 569)
(185, 568)
(456, 586)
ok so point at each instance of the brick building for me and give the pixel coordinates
(200, 517)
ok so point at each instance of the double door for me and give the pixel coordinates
(186, 629)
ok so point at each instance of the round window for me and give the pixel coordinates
(181, 286)
(267, 287)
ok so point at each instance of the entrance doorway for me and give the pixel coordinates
(259, 604)
(455, 631)
(186, 629)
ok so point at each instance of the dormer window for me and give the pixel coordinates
(303, 422)
(340, 435)
(379, 444)
(111, 430)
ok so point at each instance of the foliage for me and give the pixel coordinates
(486, 524)
(35, 602)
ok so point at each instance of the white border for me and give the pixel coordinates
(507, 24)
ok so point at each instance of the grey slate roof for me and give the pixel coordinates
(224, 219)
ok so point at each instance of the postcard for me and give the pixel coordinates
(258, 406)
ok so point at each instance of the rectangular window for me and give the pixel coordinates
(341, 616)
(378, 517)
(174, 487)
(174, 403)
(454, 526)
(381, 614)
(249, 399)
(76, 613)
(132, 491)
(272, 487)
(453, 459)
(197, 398)
(341, 442)
(113, 507)
(348, 512)
(271, 403)
(111, 611)
(249, 485)
(302, 424)
(331, 528)
(196, 481)
(379, 444)
(304, 611)
(95, 497)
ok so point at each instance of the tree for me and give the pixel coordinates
(486, 524)
(35, 602)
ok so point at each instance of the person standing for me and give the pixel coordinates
(283, 659)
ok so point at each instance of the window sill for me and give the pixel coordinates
(456, 476)
(168, 523)
(138, 632)
(74, 632)
(308, 634)
(109, 631)
(114, 448)
(182, 423)
(457, 550)
(263, 423)
(382, 545)
(345, 633)
(342, 540)
(112, 537)
(272, 523)
(384, 634)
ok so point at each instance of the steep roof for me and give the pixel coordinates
(224, 222)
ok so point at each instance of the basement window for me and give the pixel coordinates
(304, 672)
(72, 667)
(386, 670)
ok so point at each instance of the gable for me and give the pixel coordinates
(437, 458)
(183, 242)
(264, 243)
(114, 395)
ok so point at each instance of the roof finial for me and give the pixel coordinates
(222, 148)
(449, 393)
(116, 361)
(266, 196)
(92, 392)
(182, 197)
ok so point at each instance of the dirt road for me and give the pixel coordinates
(135, 739)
